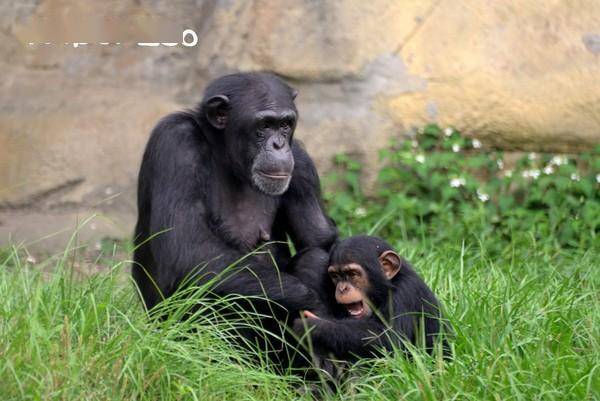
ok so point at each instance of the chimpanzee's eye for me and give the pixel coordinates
(284, 125)
(354, 274)
(263, 125)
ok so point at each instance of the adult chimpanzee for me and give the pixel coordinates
(218, 181)
(377, 300)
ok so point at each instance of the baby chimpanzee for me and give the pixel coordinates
(377, 302)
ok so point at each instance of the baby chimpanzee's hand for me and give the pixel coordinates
(303, 325)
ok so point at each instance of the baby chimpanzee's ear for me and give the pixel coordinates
(390, 263)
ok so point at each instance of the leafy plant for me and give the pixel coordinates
(441, 186)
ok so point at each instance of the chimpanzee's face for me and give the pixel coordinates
(258, 126)
(272, 161)
(351, 288)
(361, 286)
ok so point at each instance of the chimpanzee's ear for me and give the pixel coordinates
(390, 263)
(294, 93)
(216, 109)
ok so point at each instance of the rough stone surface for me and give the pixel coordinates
(521, 75)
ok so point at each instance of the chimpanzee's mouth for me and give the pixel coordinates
(274, 175)
(355, 309)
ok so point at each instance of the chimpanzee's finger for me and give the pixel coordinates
(310, 315)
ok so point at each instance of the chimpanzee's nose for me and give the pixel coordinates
(278, 142)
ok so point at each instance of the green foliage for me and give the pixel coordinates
(516, 270)
(441, 186)
(64, 337)
(526, 328)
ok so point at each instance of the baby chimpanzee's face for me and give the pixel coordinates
(361, 268)
(351, 286)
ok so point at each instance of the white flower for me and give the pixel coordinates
(508, 173)
(457, 182)
(500, 164)
(414, 143)
(559, 160)
(575, 177)
(482, 196)
(420, 158)
(476, 144)
(598, 178)
(532, 156)
(548, 169)
(360, 212)
(31, 259)
(456, 148)
(535, 173)
(448, 131)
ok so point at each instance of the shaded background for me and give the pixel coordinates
(519, 75)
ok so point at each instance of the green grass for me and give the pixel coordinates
(512, 252)
(527, 328)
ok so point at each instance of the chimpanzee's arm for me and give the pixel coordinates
(304, 217)
(349, 337)
(310, 266)
(172, 208)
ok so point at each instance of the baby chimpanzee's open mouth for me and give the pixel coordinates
(355, 309)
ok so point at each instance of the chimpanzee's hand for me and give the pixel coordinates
(309, 323)
(306, 323)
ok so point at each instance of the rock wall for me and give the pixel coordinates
(74, 120)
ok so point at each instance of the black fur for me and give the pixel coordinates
(405, 308)
(199, 196)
